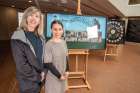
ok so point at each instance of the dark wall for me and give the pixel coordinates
(133, 30)
(8, 22)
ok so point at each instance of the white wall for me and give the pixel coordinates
(127, 10)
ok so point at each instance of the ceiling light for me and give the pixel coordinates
(12, 5)
(30, 1)
(64, 1)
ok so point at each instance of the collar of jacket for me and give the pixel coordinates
(20, 35)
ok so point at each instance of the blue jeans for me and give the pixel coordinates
(27, 86)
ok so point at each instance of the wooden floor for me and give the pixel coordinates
(117, 75)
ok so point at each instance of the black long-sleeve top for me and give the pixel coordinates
(53, 69)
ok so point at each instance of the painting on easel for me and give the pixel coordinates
(81, 32)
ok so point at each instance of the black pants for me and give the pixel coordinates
(26, 86)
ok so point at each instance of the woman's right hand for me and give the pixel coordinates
(42, 76)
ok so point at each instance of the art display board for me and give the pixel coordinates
(80, 32)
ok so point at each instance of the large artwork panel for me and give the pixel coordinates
(84, 32)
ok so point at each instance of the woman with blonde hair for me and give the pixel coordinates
(27, 48)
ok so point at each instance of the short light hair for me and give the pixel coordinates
(29, 11)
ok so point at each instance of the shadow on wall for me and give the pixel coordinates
(133, 31)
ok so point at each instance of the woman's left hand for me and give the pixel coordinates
(66, 74)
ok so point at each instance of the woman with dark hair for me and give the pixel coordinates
(56, 60)
(27, 49)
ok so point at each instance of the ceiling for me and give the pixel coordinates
(131, 2)
(88, 7)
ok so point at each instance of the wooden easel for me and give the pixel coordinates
(82, 74)
(111, 50)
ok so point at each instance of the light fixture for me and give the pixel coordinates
(30, 1)
(64, 1)
(12, 5)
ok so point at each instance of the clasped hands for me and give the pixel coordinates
(64, 76)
